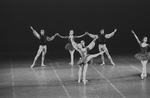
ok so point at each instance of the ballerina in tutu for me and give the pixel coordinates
(85, 58)
(69, 45)
(143, 56)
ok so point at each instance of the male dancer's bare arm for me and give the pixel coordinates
(136, 37)
(35, 33)
(111, 34)
(91, 35)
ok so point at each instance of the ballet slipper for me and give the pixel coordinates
(85, 81)
(113, 63)
(43, 65)
(32, 65)
(102, 64)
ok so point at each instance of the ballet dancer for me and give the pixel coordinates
(85, 58)
(42, 48)
(69, 45)
(102, 44)
(143, 56)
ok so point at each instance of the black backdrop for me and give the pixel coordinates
(63, 15)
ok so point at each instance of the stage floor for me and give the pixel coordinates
(59, 80)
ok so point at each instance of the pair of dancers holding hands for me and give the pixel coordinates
(85, 58)
(43, 48)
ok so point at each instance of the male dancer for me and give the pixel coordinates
(42, 48)
(102, 44)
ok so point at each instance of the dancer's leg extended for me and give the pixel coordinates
(43, 55)
(108, 55)
(37, 55)
(72, 56)
(91, 56)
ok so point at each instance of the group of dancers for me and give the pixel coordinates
(86, 58)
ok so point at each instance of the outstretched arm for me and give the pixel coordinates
(35, 33)
(51, 38)
(136, 37)
(91, 35)
(111, 34)
(80, 35)
(62, 36)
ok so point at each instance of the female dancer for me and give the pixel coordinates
(69, 45)
(143, 56)
(42, 48)
(102, 44)
(85, 58)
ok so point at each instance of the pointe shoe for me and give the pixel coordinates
(79, 81)
(43, 65)
(85, 81)
(113, 63)
(102, 64)
(71, 64)
(143, 76)
(32, 65)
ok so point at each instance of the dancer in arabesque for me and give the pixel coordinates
(85, 58)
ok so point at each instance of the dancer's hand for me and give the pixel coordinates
(52, 37)
(31, 27)
(132, 31)
(115, 30)
(59, 35)
(55, 34)
(87, 33)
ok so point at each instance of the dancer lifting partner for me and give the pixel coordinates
(85, 58)
(42, 48)
(102, 44)
(69, 45)
(143, 56)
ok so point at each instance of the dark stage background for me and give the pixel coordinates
(60, 16)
